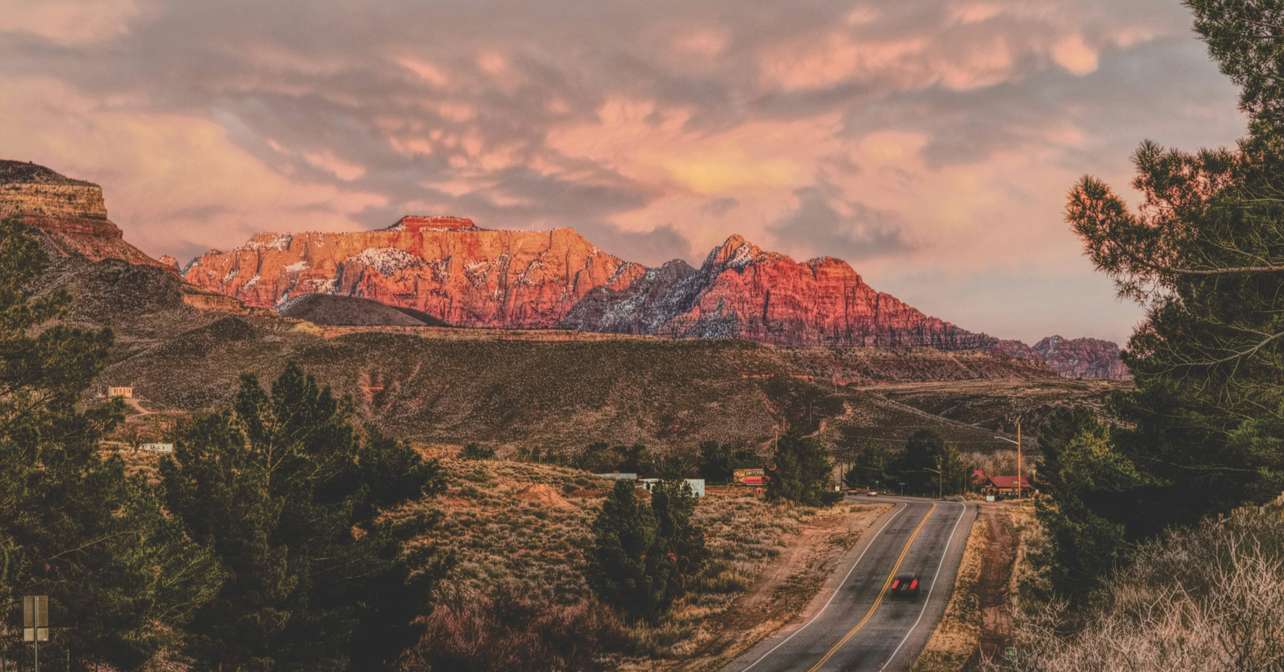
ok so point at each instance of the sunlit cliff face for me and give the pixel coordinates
(930, 142)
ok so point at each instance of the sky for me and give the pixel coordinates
(930, 143)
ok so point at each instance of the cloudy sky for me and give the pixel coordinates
(928, 142)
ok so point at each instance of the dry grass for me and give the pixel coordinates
(528, 528)
(1205, 599)
(528, 525)
(769, 560)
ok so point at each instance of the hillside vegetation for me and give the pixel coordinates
(1208, 598)
(523, 531)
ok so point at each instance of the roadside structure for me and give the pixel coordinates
(1000, 486)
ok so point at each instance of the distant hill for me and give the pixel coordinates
(328, 309)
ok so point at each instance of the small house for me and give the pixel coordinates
(157, 448)
(695, 484)
(999, 486)
(120, 391)
(618, 476)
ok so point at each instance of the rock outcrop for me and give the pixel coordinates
(446, 267)
(1082, 358)
(1071, 358)
(742, 291)
(71, 213)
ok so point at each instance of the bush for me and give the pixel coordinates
(473, 451)
(1209, 598)
(509, 630)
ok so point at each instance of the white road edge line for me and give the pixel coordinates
(836, 590)
(928, 601)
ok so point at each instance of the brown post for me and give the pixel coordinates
(1018, 484)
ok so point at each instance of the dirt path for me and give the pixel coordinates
(995, 583)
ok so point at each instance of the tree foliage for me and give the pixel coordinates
(288, 494)
(73, 526)
(719, 461)
(1204, 253)
(801, 472)
(645, 556)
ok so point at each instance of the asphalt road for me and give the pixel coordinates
(859, 626)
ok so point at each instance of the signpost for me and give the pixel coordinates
(35, 622)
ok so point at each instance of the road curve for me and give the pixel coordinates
(858, 627)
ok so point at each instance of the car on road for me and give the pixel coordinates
(871, 493)
(905, 585)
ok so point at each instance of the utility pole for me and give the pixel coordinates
(1018, 474)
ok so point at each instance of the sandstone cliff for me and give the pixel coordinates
(446, 267)
(742, 291)
(71, 213)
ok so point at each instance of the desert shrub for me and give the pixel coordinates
(1209, 598)
(509, 630)
(473, 451)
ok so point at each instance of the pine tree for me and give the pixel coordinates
(916, 464)
(1204, 254)
(645, 557)
(122, 578)
(801, 472)
(624, 534)
(679, 541)
(288, 494)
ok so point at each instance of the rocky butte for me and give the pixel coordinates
(70, 212)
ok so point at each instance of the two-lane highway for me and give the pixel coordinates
(859, 627)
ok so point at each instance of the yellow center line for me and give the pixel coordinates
(878, 600)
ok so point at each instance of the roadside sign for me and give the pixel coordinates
(35, 618)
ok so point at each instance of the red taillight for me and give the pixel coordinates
(913, 584)
(896, 584)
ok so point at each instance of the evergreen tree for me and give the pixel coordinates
(801, 472)
(1204, 430)
(715, 462)
(644, 557)
(869, 467)
(624, 534)
(917, 464)
(679, 541)
(1086, 481)
(288, 494)
(122, 578)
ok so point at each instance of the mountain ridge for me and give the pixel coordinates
(449, 269)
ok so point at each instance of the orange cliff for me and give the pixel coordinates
(71, 213)
(742, 291)
(444, 266)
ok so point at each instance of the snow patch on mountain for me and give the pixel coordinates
(388, 260)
